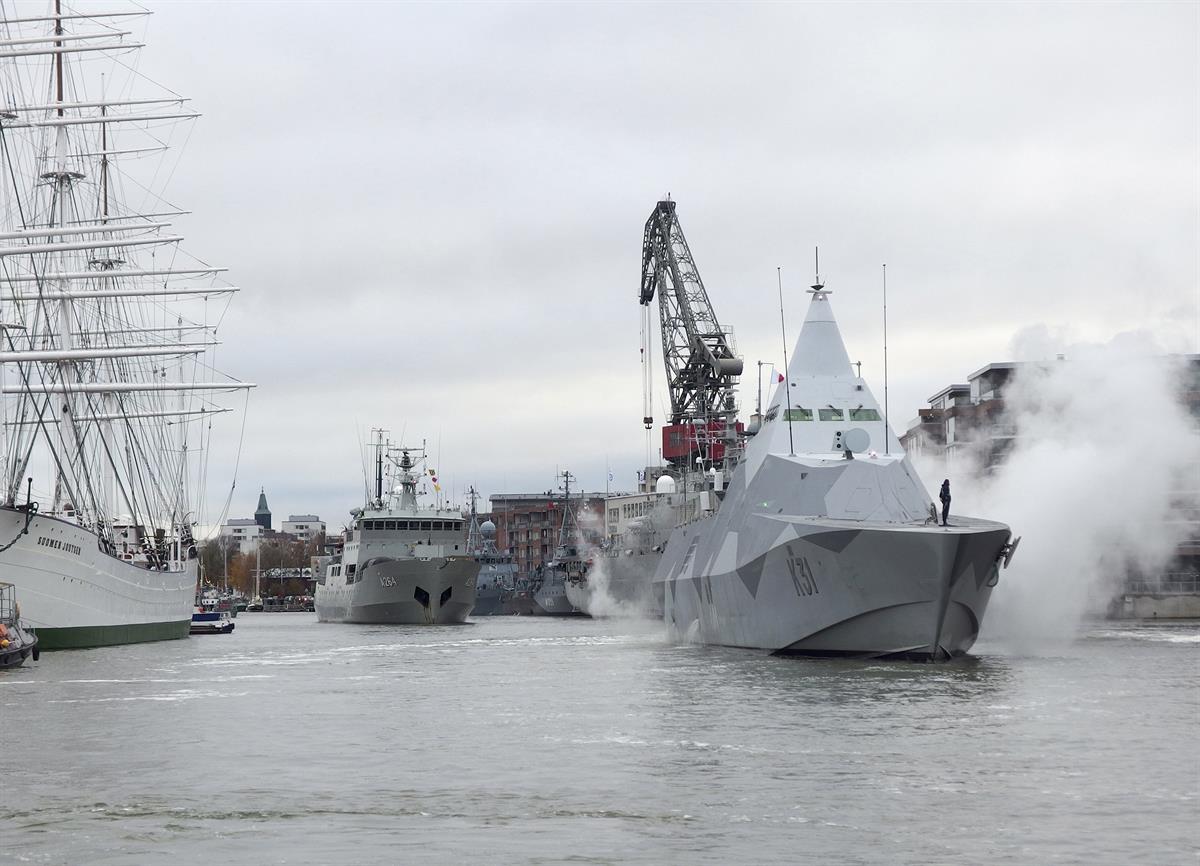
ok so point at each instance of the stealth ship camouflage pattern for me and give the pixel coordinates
(824, 542)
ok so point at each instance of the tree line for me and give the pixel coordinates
(221, 562)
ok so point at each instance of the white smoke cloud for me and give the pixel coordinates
(634, 601)
(1104, 450)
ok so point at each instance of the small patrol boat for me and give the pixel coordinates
(211, 621)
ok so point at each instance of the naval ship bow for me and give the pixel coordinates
(400, 562)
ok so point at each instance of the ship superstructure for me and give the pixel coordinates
(400, 562)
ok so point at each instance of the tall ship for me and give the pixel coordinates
(108, 382)
(400, 562)
(497, 570)
(549, 582)
(820, 540)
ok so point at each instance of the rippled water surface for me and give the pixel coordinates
(521, 740)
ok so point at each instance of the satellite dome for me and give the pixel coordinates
(856, 440)
(664, 484)
(488, 529)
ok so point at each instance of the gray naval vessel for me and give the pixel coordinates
(815, 535)
(497, 571)
(400, 562)
(822, 542)
(548, 583)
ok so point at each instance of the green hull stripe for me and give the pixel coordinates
(83, 637)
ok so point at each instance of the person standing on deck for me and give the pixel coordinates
(945, 497)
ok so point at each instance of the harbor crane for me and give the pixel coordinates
(701, 366)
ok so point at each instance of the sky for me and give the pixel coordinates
(435, 211)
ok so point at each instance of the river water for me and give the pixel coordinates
(527, 740)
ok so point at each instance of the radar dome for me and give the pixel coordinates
(856, 440)
(664, 484)
(488, 529)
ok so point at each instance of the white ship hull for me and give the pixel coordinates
(434, 591)
(77, 596)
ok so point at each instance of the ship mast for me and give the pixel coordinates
(563, 533)
(76, 347)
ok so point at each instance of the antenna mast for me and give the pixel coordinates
(887, 436)
(787, 385)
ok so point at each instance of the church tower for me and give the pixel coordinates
(262, 515)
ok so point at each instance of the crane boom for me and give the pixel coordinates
(701, 366)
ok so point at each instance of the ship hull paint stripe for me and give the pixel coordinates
(84, 637)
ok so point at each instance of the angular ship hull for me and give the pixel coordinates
(76, 596)
(805, 586)
(434, 591)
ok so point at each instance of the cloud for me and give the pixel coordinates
(434, 208)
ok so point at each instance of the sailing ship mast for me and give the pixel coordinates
(93, 386)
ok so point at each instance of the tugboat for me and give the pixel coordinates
(17, 643)
(400, 563)
(549, 585)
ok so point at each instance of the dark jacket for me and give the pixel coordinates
(945, 494)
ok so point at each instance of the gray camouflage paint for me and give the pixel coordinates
(800, 560)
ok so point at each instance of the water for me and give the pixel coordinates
(528, 740)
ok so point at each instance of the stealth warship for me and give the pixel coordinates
(820, 539)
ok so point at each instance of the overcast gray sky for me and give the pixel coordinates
(436, 210)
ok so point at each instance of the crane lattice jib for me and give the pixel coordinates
(701, 366)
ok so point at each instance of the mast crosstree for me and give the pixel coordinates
(105, 404)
